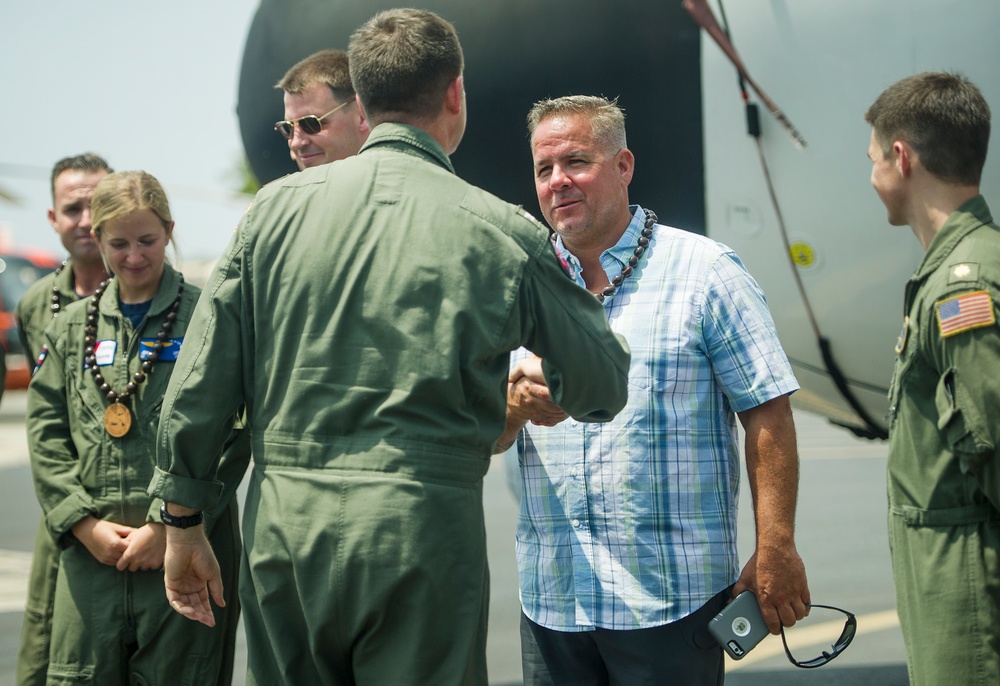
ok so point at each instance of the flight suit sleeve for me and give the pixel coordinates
(54, 460)
(205, 393)
(585, 364)
(967, 395)
(232, 467)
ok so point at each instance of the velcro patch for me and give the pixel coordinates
(168, 353)
(41, 358)
(964, 312)
(965, 271)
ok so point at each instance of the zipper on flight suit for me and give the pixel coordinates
(129, 335)
(909, 294)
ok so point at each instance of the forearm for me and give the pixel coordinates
(511, 431)
(773, 472)
(775, 572)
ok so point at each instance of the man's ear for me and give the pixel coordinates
(626, 165)
(363, 125)
(453, 96)
(906, 157)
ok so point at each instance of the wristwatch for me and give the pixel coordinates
(180, 522)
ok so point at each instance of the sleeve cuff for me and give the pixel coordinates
(193, 493)
(153, 513)
(62, 517)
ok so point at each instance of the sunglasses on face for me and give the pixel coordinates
(310, 124)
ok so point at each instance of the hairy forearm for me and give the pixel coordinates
(773, 471)
(775, 572)
(510, 433)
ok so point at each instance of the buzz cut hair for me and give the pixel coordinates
(87, 162)
(943, 117)
(402, 62)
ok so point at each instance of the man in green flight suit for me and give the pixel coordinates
(73, 182)
(928, 146)
(365, 313)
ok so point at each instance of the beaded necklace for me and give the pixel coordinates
(117, 418)
(56, 301)
(56, 306)
(647, 231)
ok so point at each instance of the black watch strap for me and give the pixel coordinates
(180, 522)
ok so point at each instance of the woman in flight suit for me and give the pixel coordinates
(93, 409)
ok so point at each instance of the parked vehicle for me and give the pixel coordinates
(18, 270)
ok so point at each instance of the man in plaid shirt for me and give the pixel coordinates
(626, 541)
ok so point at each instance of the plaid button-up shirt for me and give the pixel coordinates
(632, 524)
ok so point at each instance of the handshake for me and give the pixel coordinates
(528, 397)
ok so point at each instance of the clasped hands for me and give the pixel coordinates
(123, 547)
(528, 397)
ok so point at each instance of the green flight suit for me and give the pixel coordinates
(365, 311)
(34, 314)
(944, 466)
(111, 627)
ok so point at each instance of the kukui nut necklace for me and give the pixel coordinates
(633, 261)
(56, 300)
(117, 418)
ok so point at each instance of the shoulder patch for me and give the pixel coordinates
(903, 335)
(964, 271)
(964, 312)
(41, 358)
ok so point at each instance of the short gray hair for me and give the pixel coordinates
(607, 119)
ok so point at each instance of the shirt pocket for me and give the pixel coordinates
(960, 421)
(647, 383)
(86, 422)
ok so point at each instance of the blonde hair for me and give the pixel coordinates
(121, 193)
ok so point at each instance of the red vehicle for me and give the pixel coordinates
(19, 268)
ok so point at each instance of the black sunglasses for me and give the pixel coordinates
(839, 646)
(310, 124)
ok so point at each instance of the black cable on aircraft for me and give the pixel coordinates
(703, 16)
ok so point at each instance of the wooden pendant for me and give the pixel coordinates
(117, 420)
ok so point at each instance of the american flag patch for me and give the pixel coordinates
(964, 312)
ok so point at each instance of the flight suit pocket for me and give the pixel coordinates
(903, 365)
(87, 422)
(960, 421)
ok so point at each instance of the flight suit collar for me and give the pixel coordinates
(164, 298)
(967, 218)
(64, 281)
(408, 139)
